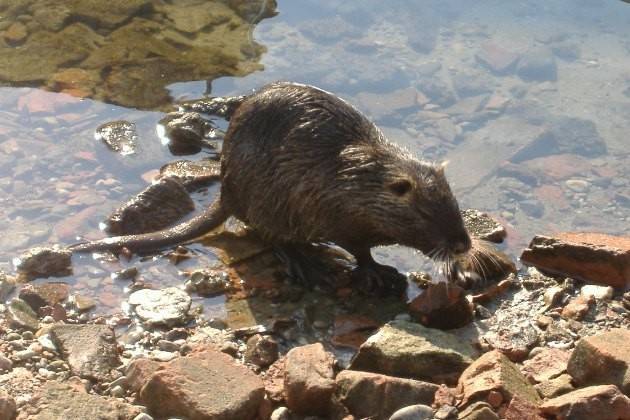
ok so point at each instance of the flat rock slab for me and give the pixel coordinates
(89, 349)
(375, 396)
(602, 359)
(309, 379)
(62, 401)
(494, 373)
(167, 306)
(206, 384)
(21, 316)
(602, 402)
(591, 257)
(410, 350)
(547, 364)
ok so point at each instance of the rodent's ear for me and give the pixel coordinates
(400, 187)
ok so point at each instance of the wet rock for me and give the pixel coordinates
(370, 395)
(118, 136)
(20, 315)
(565, 135)
(167, 306)
(204, 384)
(329, 30)
(439, 92)
(8, 408)
(552, 388)
(603, 402)
(186, 132)
(83, 303)
(60, 400)
(208, 282)
(7, 285)
(410, 350)
(44, 262)
(481, 225)
(158, 206)
(590, 257)
(261, 350)
(478, 411)
(89, 349)
(352, 330)
(472, 84)
(193, 174)
(44, 294)
(442, 306)
(494, 372)
(413, 412)
(499, 60)
(602, 359)
(547, 364)
(537, 65)
(309, 379)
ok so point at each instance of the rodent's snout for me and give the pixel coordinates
(461, 245)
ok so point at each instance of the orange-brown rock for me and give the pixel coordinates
(591, 257)
(442, 306)
(602, 402)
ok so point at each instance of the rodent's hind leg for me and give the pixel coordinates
(303, 265)
(374, 278)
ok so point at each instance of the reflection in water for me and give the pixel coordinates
(127, 52)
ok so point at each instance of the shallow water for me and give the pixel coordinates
(417, 69)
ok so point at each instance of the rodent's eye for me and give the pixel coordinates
(400, 187)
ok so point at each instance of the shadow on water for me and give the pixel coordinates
(127, 52)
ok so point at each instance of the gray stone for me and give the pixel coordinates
(167, 306)
(90, 350)
(62, 401)
(20, 315)
(537, 65)
(410, 350)
(371, 395)
(483, 226)
(413, 412)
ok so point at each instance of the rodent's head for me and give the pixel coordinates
(423, 212)
(415, 207)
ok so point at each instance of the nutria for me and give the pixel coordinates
(300, 166)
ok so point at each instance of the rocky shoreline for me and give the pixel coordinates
(529, 346)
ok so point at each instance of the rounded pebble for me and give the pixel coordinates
(413, 412)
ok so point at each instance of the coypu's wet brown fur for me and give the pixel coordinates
(300, 165)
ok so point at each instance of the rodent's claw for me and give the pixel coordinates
(379, 279)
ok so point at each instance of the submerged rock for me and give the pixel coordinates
(370, 395)
(90, 349)
(44, 294)
(591, 257)
(499, 60)
(413, 351)
(160, 205)
(44, 262)
(118, 136)
(208, 282)
(537, 65)
(161, 307)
